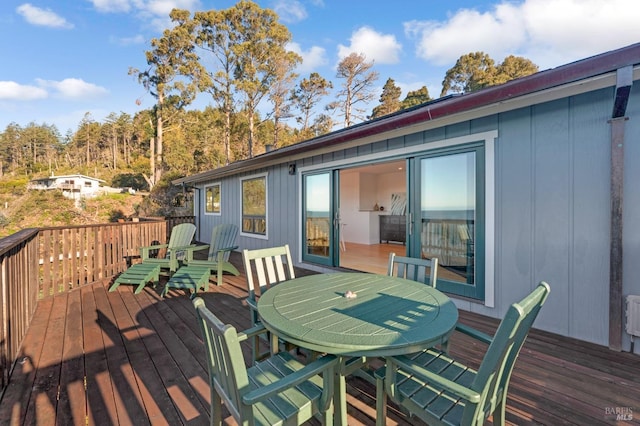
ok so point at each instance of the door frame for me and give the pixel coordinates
(489, 139)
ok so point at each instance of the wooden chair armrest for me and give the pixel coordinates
(478, 335)
(411, 367)
(325, 364)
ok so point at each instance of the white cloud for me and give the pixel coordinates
(111, 6)
(381, 48)
(549, 32)
(10, 90)
(164, 7)
(74, 88)
(312, 59)
(42, 17)
(290, 11)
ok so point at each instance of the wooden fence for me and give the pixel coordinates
(38, 263)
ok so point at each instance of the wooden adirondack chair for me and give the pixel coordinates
(440, 390)
(277, 391)
(175, 250)
(414, 269)
(223, 242)
(271, 266)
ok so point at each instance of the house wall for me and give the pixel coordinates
(552, 206)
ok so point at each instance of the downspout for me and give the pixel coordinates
(624, 80)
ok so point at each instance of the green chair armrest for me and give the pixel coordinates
(408, 365)
(478, 335)
(250, 332)
(195, 248)
(252, 304)
(320, 365)
(144, 251)
(228, 248)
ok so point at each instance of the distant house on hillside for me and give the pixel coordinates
(72, 186)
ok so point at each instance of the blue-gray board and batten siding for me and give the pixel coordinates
(552, 205)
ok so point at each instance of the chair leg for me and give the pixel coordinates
(216, 409)
(499, 414)
(381, 403)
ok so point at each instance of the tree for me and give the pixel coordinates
(307, 95)
(173, 77)
(389, 99)
(514, 67)
(416, 97)
(280, 91)
(357, 88)
(471, 72)
(475, 71)
(216, 35)
(86, 137)
(262, 41)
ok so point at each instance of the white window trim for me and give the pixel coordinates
(266, 202)
(489, 139)
(219, 184)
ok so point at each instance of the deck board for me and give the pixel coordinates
(143, 362)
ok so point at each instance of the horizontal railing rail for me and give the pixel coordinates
(38, 263)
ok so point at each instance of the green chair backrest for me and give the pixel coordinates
(227, 370)
(223, 236)
(414, 269)
(492, 379)
(181, 236)
(272, 265)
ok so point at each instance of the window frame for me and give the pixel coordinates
(265, 177)
(206, 189)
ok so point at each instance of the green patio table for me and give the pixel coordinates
(387, 316)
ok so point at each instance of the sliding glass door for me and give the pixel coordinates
(446, 207)
(321, 217)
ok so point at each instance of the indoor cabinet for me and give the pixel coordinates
(393, 228)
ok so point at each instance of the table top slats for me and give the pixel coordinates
(389, 315)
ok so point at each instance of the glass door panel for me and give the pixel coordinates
(318, 218)
(448, 211)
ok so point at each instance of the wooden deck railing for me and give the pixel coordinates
(38, 263)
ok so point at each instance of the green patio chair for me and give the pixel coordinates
(175, 251)
(442, 391)
(414, 269)
(277, 391)
(223, 242)
(171, 254)
(264, 268)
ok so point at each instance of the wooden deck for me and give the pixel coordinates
(98, 358)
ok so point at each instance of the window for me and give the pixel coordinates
(254, 205)
(212, 199)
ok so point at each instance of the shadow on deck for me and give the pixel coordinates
(99, 358)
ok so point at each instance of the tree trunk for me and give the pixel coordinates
(251, 128)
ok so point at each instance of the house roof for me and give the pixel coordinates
(66, 177)
(527, 90)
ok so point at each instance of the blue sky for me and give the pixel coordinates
(64, 58)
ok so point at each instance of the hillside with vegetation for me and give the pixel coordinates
(21, 208)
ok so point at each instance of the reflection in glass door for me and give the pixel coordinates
(320, 209)
(447, 210)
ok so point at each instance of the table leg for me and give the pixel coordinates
(340, 398)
